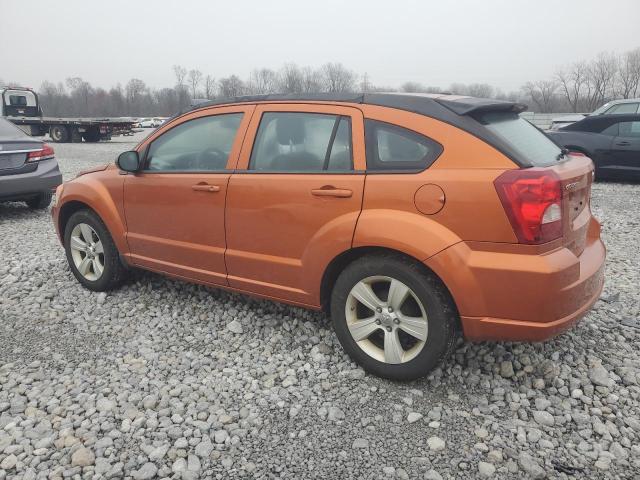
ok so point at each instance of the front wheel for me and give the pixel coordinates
(91, 253)
(393, 317)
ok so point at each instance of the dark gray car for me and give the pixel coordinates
(28, 169)
(612, 142)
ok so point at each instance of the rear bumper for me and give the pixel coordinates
(44, 179)
(504, 295)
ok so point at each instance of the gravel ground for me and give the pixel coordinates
(167, 379)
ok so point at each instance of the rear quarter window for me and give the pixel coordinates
(531, 144)
(393, 148)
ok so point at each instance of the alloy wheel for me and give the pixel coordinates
(386, 319)
(87, 251)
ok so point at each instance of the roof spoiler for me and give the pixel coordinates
(471, 105)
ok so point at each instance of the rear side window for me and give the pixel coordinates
(611, 130)
(202, 144)
(629, 129)
(529, 142)
(390, 147)
(302, 142)
(623, 108)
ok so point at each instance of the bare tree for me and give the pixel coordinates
(194, 79)
(573, 83)
(628, 74)
(231, 87)
(290, 79)
(180, 72)
(542, 93)
(262, 80)
(480, 90)
(80, 91)
(311, 80)
(412, 87)
(134, 90)
(209, 87)
(602, 75)
(337, 78)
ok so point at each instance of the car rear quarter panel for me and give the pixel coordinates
(464, 171)
(102, 192)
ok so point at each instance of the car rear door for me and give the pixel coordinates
(174, 206)
(293, 202)
(626, 149)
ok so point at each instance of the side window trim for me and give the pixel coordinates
(332, 138)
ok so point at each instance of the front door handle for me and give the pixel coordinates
(205, 187)
(623, 144)
(332, 192)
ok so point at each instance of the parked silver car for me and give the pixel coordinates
(28, 169)
(618, 107)
(614, 107)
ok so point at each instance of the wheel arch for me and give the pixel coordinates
(577, 148)
(79, 196)
(68, 209)
(341, 261)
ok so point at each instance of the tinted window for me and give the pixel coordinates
(202, 144)
(302, 142)
(611, 130)
(529, 142)
(390, 147)
(629, 129)
(623, 108)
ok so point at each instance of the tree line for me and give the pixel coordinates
(579, 87)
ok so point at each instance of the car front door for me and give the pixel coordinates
(293, 202)
(626, 149)
(174, 207)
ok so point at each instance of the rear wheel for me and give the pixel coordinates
(392, 317)
(59, 133)
(40, 201)
(91, 252)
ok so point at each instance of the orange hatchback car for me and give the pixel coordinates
(410, 218)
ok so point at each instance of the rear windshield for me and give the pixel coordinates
(529, 142)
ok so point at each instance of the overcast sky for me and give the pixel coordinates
(501, 42)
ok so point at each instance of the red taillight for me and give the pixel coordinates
(576, 154)
(532, 199)
(45, 154)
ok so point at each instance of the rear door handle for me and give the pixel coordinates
(205, 187)
(623, 144)
(332, 192)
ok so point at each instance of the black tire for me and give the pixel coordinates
(114, 271)
(91, 136)
(59, 133)
(443, 321)
(40, 201)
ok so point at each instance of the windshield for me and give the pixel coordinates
(529, 142)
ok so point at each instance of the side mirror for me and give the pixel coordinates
(128, 161)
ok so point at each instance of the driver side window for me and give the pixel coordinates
(201, 145)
